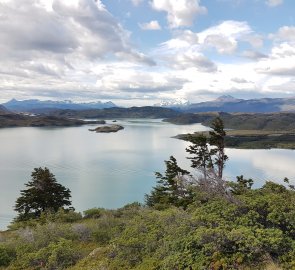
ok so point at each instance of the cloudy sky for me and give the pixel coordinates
(138, 52)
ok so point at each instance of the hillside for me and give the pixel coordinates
(247, 131)
(115, 113)
(244, 121)
(19, 120)
(254, 229)
(3, 110)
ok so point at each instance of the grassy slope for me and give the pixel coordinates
(255, 233)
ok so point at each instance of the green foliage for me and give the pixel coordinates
(216, 139)
(93, 213)
(241, 186)
(43, 193)
(201, 159)
(59, 255)
(171, 189)
(207, 159)
(255, 229)
(6, 255)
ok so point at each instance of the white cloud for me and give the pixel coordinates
(152, 25)
(59, 42)
(253, 55)
(192, 60)
(255, 40)
(179, 12)
(83, 29)
(281, 61)
(274, 3)
(183, 52)
(239, 80)
(285, 33)
(224, 36)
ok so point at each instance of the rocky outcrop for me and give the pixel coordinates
(107, 129)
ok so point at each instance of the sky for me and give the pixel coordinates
(140, 52)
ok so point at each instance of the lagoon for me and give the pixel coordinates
(110, 170)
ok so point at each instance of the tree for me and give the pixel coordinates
(172, 188)
(216, 139)
(208, 158)
(201, 159)
(207, 152)
(43, 193)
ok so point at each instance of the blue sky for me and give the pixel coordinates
(139, 52)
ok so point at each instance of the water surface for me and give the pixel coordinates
(110, 170)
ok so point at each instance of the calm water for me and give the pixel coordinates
(110, 170)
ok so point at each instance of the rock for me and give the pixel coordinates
(107, 129)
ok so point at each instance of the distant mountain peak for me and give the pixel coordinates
(179, 102)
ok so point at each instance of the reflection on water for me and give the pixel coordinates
(110, 170)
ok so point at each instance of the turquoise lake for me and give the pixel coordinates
(111, 170)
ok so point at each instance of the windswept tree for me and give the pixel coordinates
(172, 188)
(43, 193)
(201, 159)
(216, 140)
(207, 155)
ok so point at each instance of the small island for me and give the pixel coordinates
(107, 129)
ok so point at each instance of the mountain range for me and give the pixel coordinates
(39, 106)
(224, 103)
(230, 104)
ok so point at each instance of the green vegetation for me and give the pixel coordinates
(43, 194)
(255, 231)
(241, 121)
(251, 131)
(190, 221)
(9, 119)
(252, 139)
(117, 113)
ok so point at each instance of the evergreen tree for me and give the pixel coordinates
(43, 193)
(201, 159)
(216, 139)
(171, 188)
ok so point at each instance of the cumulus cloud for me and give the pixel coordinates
(59, 42)
(281, 61)
(285, 33)
(82, 28)
(194, 60)
(274, 3)
(183, 52)
(224, 36)
(179, 12)
(130, 79)
(152, 25)
(255, 40)
(253, 55)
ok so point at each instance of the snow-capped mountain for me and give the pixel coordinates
(173, 103)
(39, 105)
